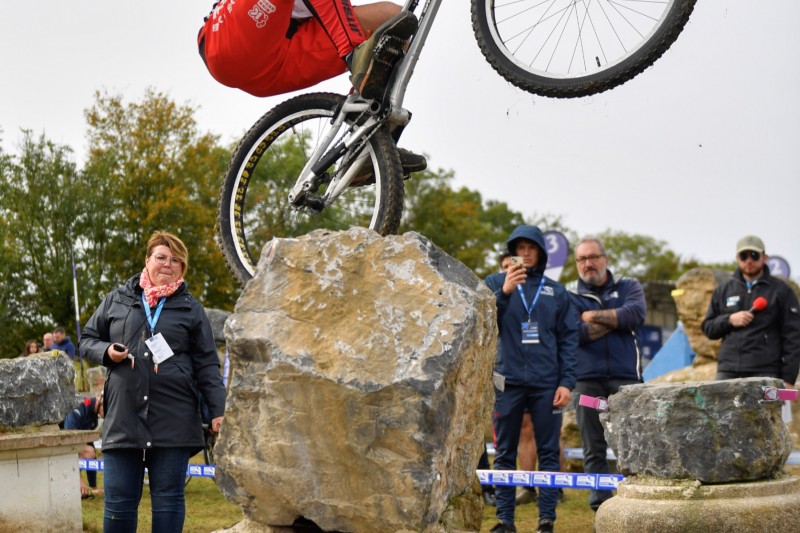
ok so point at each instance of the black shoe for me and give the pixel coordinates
(410, 162)
(545, 525)
(502, 527)
(489, 499)
(372, 61)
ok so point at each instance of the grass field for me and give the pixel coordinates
(207, 510)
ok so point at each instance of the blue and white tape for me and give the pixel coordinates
(193, 470)
(563, 480)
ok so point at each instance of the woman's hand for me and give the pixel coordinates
(216, 424)
(115, 355)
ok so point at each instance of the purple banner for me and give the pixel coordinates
(778, 266)
(557, 252)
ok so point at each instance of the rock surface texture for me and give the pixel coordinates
(693, 294)
(360, 387)
(714, 432)
(36, 390)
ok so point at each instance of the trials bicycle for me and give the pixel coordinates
(323, 160)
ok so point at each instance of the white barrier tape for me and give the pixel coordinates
(562, 480)
(96, 465)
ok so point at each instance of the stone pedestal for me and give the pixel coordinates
(39, 473)
(661, 506)
(704, 456)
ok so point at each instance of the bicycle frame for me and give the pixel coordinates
(326, 154)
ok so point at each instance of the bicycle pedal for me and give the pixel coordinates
(388, 47)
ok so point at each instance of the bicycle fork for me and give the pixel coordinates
(328, 151)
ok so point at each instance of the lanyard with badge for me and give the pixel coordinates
(530, 329)
(157, 344)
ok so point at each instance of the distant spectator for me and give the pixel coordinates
(47, 341)
(85, 417)
(31, 347)
(608, 309)
(153, 337)
(535, 368)
(755, 343)
(63, 343)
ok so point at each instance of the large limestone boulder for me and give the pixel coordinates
(37, 390)
(714, 432)
(360, 387)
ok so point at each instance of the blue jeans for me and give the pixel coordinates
(123, 477)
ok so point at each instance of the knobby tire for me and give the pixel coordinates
(570, 48)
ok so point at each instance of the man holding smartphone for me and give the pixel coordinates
(535, 367)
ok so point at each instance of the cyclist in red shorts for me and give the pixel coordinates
(270, 47)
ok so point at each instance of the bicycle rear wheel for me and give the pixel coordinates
(254, 205)
(571, 48)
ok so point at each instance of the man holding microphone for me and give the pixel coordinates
(756, 341)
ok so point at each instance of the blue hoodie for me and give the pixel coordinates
(615, 355)
(551, 363)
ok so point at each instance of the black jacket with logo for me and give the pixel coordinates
(770, 345)
(145, 408)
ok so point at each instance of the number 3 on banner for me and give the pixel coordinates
(551, 241)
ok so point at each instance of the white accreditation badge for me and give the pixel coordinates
(159, 347)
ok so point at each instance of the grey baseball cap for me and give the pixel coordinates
(750, 242)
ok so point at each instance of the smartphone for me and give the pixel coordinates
(119, 347)
(516, 260)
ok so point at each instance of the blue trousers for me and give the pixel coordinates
(592, 433)
(123, 472)
(509, 406)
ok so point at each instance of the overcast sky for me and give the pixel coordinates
(702, 148)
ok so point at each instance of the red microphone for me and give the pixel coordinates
(759, 304)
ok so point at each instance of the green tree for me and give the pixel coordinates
(458, 221)
(157, 172)
(148, 168)
(40, 197)
(641, 256)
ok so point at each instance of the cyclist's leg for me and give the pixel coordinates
(339, 20)
(348, 25)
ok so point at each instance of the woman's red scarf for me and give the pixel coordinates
(152, 293)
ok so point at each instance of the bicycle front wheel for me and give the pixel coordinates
(254, 205)
(571, 48)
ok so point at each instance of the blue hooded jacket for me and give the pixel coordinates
(615, 355)
(551, 363)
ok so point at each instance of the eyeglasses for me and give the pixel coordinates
(162, 260)
(585, 258)
(755, 256)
